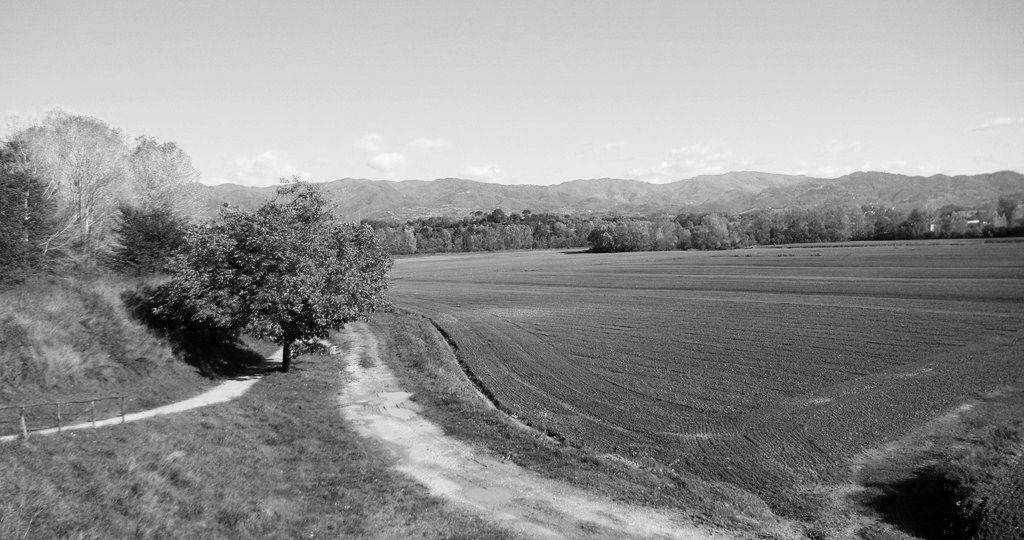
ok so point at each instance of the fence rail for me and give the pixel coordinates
(26, 413)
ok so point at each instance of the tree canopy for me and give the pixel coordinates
(287, 271)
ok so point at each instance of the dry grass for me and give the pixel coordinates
(278, 462)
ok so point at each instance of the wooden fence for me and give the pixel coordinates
(54, 416)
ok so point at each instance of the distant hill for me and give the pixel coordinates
(735, 191)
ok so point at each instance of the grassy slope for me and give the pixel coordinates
(425, 365)
(277, 462)
(72, 338)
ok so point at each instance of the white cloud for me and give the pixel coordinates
(377, 156)
(264, 169)
(614, 145)
(385, 162)
(484, 173)
(371, 143)
(843, 147)
(689, 161)
(1001, 122)
(430, 144)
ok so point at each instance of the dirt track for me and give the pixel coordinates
(500, 491)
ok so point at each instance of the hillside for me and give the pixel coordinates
(73, 338)
(734, 191)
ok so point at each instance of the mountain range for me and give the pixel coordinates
(739, 191)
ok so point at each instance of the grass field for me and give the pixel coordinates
(769, 369)
(279, 462)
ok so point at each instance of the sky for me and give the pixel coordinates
(526, 92)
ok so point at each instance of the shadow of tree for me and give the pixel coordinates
(214, 351)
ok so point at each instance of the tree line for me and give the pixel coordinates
(481, 231)
(70, 184)
(498, 230)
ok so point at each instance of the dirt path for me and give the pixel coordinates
(223, 392)
(503, 492)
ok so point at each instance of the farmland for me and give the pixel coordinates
(769, 369)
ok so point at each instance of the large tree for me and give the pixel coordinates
(288, 271)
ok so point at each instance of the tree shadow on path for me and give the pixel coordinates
(214, 351)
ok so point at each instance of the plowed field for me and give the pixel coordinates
(765, 368)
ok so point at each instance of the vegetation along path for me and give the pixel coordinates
(501, 491)
(223, 392)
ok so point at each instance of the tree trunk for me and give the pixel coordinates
(286, 356)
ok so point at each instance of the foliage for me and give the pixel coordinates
(148, 238)
(287, 271)
(26, 218)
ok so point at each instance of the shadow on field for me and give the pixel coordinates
(214, 351)
(577, 252)
(934, 502)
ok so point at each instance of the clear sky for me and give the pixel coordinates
(533, 92)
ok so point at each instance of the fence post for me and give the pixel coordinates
(92, 412)
(24, 427)
(58, 417)
(122, 409)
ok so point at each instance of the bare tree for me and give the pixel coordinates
(162, 177)
(84, 163)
